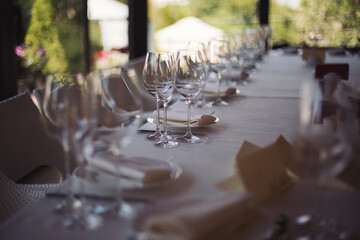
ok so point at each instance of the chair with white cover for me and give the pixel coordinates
(28, 155)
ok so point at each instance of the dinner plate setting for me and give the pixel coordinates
(133, 173)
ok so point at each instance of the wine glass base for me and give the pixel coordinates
(167, 144)
(190, 139)
(123, 211)
(81, 216)
(217, 103)
(153, 137)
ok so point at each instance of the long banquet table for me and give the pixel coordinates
(266, 109)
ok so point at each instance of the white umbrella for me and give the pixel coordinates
(178, 35)
(112, 17)
(107, 10)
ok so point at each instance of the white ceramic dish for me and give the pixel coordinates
(107, 181)
(172, 124)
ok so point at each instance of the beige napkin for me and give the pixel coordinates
(312, 60)
(179, 116)
(212, 88)
(136, 169)
(319, 53)
(267, 171)
(330, 81)
(264, 171)
(212, 219)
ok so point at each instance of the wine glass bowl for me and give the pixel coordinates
(322, 140)
(219, 62)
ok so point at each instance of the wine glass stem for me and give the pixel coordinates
(188, 131)
(69, 189)
(158, 114)
(118, 192)
(82, 197)
(165, 121)
(218, 98)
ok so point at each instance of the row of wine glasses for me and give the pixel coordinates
(71, 118)
(162, 74)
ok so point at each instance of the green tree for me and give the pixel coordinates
(68, 23)
(42, 34)
(334, 21)
(283, 21)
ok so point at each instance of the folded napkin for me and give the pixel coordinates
(212, 88)
(312, 60)
(330, 83)
(179, 116)
(264, 171)
(137, 169)
(235, 74)
(214, 218)
(318, 54)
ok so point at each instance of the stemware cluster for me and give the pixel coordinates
(91, 114)
(162, 74)
(68, 106)
(218, 61)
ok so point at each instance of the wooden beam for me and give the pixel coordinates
(264, 12)
(86, 41)
(8, 86)
(138, 28)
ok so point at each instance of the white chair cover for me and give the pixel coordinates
(24, 144)
(133, 71)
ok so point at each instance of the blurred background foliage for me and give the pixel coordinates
(337, 21)
(50, 31)
(54, 26)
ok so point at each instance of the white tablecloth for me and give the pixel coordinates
(268, 110)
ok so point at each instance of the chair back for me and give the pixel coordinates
(341, 69)
(24, 144)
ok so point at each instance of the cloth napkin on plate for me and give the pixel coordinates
(215, 218)
(212, 88)
(178, 115)
(136, 169)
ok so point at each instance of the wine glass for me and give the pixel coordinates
(203, 47)
(322, 146)
(165, 87)
(218, 64)
(163, 84)
(252, 49)
(53, 110)
(189, 74)
(149, 78)
(119, 108)
(68, 106)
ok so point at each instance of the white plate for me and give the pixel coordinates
(222, 94)
(182, 124)
(107, 181)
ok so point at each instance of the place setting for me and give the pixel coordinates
(135, 173)
(163, 74)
